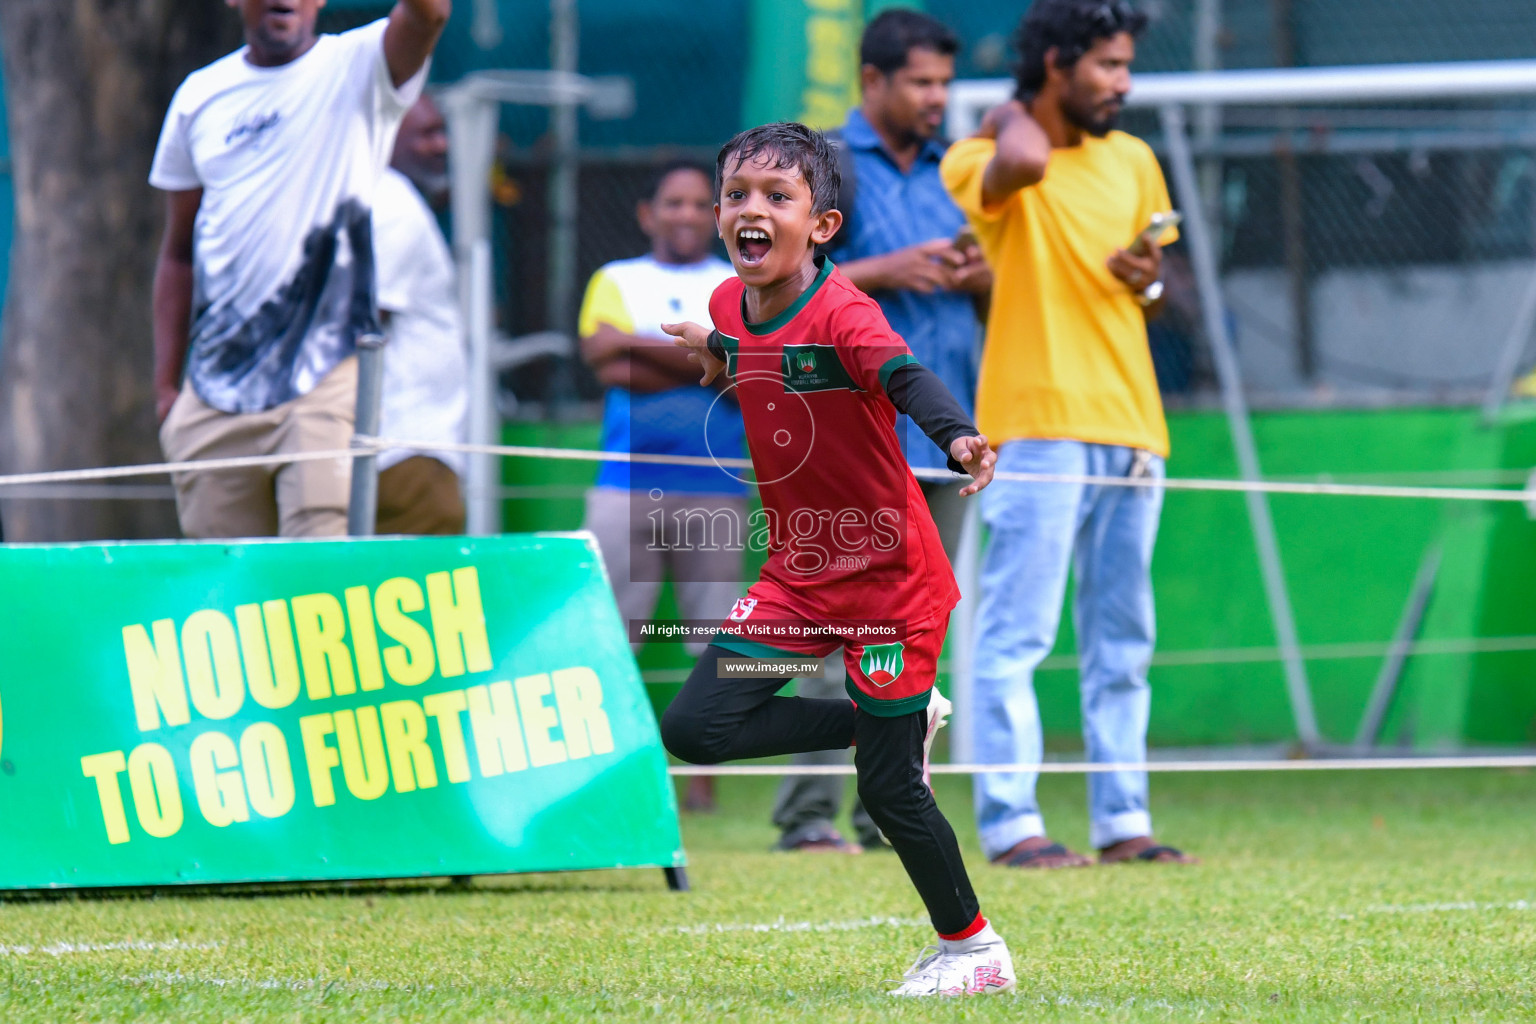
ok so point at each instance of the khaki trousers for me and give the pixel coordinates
(420, 496)
(300, 499)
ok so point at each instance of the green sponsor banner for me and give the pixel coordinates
(804, 59)
(270, 710)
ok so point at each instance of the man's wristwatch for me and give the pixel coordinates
(1151, 293)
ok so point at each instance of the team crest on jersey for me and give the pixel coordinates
(806, 370)
(882, 664)
(742, 608)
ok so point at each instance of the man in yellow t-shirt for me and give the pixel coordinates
(1056, 197)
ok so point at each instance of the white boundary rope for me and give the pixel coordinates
(1339, 764)
(68, 476)
(1172, 484)
(1257, 655)
(363, 445)
(1325, 652)
(371, 445)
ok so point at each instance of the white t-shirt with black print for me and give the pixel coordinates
(288, 158)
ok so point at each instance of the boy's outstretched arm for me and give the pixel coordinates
(917, 391)
(696, 339)
(977, 457)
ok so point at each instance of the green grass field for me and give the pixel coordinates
(1379, 896)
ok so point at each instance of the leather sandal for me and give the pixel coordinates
(1051, 855)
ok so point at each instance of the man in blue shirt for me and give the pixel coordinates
(904, 242)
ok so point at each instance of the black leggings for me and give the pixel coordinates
(714, 719)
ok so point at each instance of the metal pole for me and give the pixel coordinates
(472, 132)
(1509, 356)
(486, 28)
(1397, 657)
(363, 504)
(962, 674)
(473, 108)
(970, 99)
(482, 510)
(1203, 256)
(1207, 54)
(560, 296)
(1293, 229)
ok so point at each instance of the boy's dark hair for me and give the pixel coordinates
(789, 144)
(1072, 27)
(671, 167)
(893, 34)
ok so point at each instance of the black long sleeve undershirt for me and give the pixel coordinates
(917, 391)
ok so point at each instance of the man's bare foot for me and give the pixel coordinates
(1041, 852)
(1144, 848)
(700, 798)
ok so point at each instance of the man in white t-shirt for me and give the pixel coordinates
(265, 280)
(426, 367)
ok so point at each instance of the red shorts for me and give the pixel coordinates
(891, 667)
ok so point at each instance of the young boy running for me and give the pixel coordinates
(854, 558)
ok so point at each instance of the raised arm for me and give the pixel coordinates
(414, 26)
(172, 302)
(1023, 151)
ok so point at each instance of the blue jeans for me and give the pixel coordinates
(1104, 536)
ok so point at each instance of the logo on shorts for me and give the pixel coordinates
(882, 664)
(806, 360)
(742, 608)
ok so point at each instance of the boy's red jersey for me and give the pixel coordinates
(847, 528)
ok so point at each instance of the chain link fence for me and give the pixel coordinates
(1390, 265)
(1374, 253)
(610, 185)
(1370, 254)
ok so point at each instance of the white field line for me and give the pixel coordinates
(1447, 908)
(782, 925)
(1131, 1003)
(57, 949)
(268, 984)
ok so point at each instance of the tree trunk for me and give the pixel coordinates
(87, 85)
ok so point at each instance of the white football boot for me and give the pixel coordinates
(978, 966)
(939, 709)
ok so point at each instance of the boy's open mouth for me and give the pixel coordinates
(752, 244)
